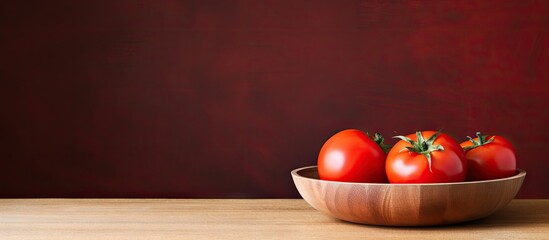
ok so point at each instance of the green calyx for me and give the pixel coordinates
(422, 146)
(379, 140)
(477, 143)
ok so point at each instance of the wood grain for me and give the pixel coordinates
(237, 219)
(406, 204)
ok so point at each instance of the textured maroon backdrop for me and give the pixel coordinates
(224, 98)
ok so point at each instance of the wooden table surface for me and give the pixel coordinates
(237, 219)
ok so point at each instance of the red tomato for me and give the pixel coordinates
(426, 157)
(351, 156)
(489, 159)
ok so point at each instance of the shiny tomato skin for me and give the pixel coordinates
(351, 156)
(448, 165)
(493, 160)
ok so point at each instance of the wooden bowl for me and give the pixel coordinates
(406, 204)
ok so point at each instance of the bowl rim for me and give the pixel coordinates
(520, 174)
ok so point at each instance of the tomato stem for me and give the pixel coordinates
(480, 142)
(480, 138)
(422, 146)
(379, 140)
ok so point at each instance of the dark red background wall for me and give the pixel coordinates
(224, 98)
